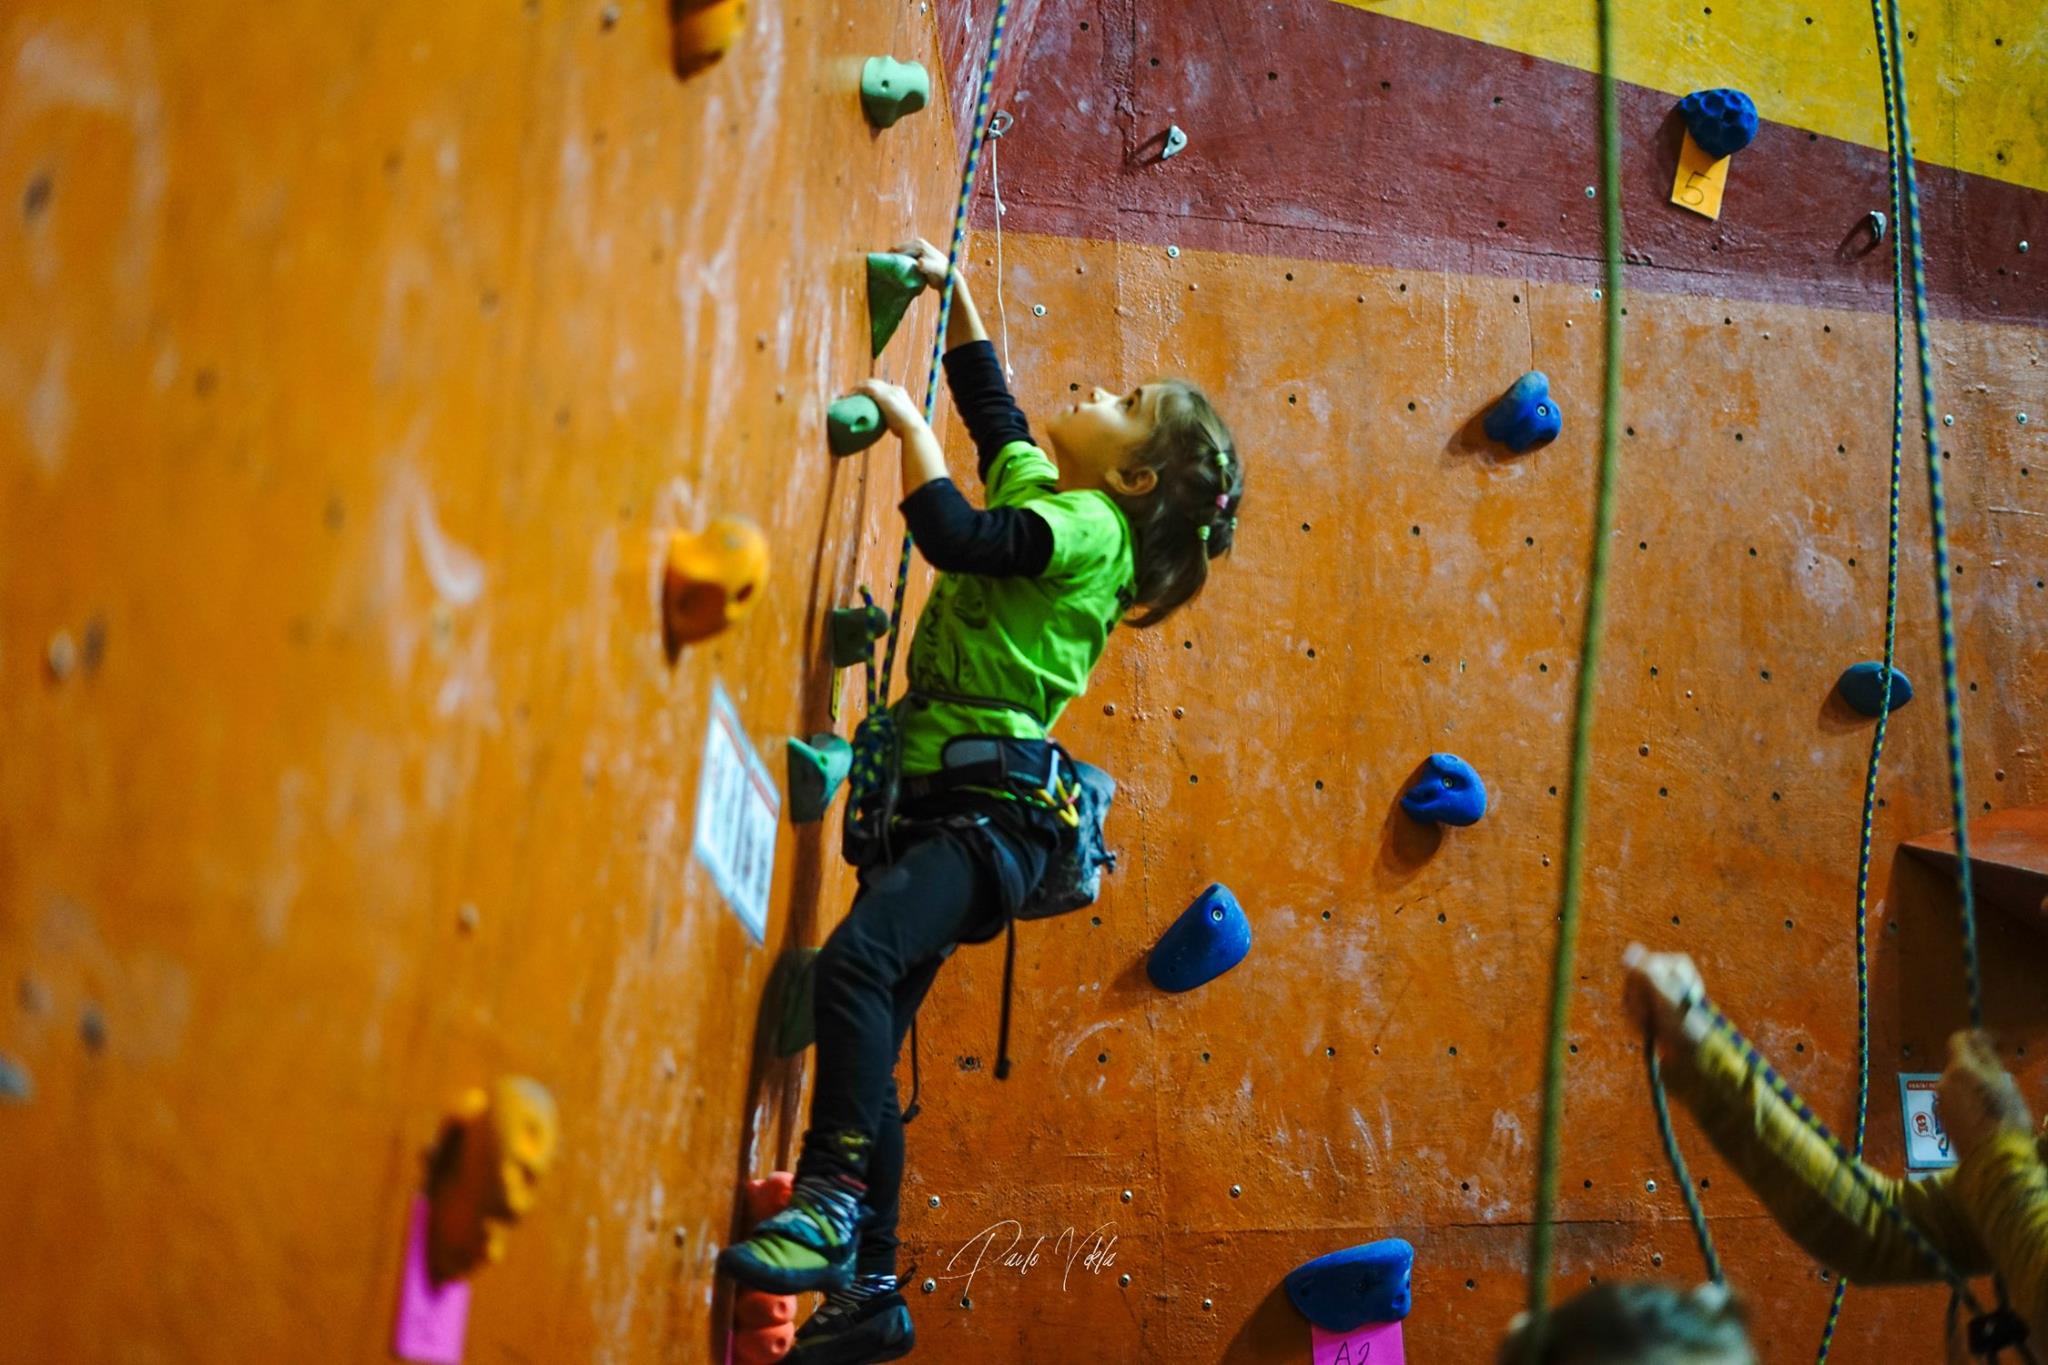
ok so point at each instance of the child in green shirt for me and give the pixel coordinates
(1113, 519)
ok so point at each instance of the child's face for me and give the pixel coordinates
(1093, 442)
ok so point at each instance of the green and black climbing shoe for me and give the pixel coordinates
(810, 1245)
(807, 1246)
(864, 1323)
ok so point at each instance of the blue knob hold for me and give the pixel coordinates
(1449, 792)
(1526, 416)
(1345, 1290)
(1862, 686)
(1722, 121)
(1210, 937)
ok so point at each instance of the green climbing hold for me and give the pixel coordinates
(852, 424)
(893, 282)
(815, 771)
(795, 992)
(852, 630)
(889, 89)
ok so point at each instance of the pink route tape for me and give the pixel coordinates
(1376, 1344)
(433, 1321)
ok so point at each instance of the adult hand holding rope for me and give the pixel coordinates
(1987, 1215)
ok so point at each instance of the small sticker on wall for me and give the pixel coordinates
(1927, 1144)
(737, 806)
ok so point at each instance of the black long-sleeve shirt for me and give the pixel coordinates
(954, 535)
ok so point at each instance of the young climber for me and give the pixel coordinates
(1114, 519)
(1988, 1213)
(1637, 1324)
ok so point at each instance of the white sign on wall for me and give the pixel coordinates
(1927, 1144)
(737, 807)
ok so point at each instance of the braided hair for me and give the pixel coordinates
(1189, 516)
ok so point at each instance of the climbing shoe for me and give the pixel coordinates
(809, 1245)
(865, 1322)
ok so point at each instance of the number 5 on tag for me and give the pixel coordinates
(1700, 182)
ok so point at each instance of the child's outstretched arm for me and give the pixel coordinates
(980, 395)
(955, 536)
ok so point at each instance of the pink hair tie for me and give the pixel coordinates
(1222, 502)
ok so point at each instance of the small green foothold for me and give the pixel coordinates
(889, 89)
(853, 629)
(815, 772)
(797, 1013)
(893, 282)
(852, 424)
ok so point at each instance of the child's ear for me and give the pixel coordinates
(1136, 481)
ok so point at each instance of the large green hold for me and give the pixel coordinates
(852, 424)
(893, 282)
(889, 89)
(852, 630)
(795, 993)
(815, 771)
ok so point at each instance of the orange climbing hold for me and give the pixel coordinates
(712, 580)
(705, 31)
(764, 1325)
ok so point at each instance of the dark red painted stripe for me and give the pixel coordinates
(1322, 131)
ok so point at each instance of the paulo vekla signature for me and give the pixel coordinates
(1001, 1246)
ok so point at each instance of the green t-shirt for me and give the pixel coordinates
(1031, 641)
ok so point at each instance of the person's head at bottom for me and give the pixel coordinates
(1638, 1324)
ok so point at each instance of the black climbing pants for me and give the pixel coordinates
(949, 886)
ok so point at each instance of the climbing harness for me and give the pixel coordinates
(1563, 978)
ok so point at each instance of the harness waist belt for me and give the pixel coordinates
(989, 761)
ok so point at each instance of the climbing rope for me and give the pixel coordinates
(1937, 507)
(983, 99)
(998, 126)
(1677, 1160)
(1909, 246)
(875, 738)
(1563, 979)
(1891, 635)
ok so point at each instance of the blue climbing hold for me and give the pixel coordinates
(1210, 937)
(1347, 1289)
(1722, 121)
(1449, 792)
(1526, 416)
(1862, 686)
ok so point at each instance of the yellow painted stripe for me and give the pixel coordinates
(1977, 70)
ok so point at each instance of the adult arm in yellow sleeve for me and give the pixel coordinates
(2002, 1179)
(1809, 1190)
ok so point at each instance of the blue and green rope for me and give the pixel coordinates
(1891, 635)
(1679, 1172)
(1937, 507)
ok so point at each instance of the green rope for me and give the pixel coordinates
(1562, 977)
(1891, 637)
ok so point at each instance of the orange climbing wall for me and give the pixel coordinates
(354, 363)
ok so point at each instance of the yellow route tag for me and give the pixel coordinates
(1700, 182)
